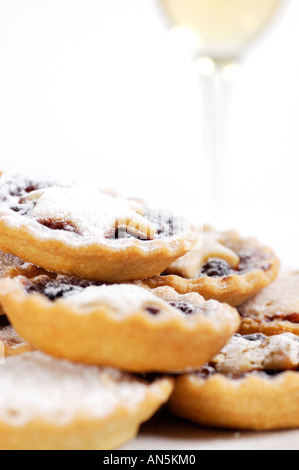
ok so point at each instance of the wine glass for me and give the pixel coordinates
(218, 33)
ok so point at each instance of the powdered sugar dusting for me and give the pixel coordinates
(281, 298)
(79, 214)
(92, 212)
(211, 246)
(161, 303)
(257, 352)
(34, 386)
(209, 308)
(124, 298)
(12, 189)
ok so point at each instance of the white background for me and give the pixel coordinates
(98, 89)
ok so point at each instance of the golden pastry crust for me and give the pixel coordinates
(252, 403)
(78, 230)
(274, 310)
(123, 325)
(11, 344)
(252, 384)
(258, 267)
(11, 266)
(106, 409)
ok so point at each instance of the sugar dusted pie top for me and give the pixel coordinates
(121, 300)
(81, 213)
(278, 301)
(34, 386)
(208, 308)
(221, 254)
(125, 298)
(92, 213)
(258, 353)
(128, 299)
(210, 245)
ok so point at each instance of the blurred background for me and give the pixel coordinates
(103, 90)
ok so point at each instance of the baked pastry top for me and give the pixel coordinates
(82, 210)
(252, 384)
(157, 330)
(257, 352)
(77, 229)
(275, 309)
(222, 266)
(52, 404)
(37, 386)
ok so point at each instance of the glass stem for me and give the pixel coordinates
(217, 91)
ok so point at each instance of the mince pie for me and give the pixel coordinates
(222, 266)
(76, 229)
(121, 325)
(252, 384)
(49, 404)
(275, 309)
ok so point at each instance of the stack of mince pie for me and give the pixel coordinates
(110, 309)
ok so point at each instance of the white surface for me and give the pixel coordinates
(166, 432)
(98, 89)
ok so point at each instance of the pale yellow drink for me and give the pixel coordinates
(223, 27)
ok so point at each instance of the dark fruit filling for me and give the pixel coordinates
(291, 317)
(153, 310)
(246, 258)
(4, 321)
(149, 378)
(185, 307)
(273, 373)
(22, 188)
(208, 371)
(55, 289)
(167, 226)
(14, 194)
(65, 225)
(259, 337)
(22, 205)
(216, 267)
(21, 209)
(253, 337)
